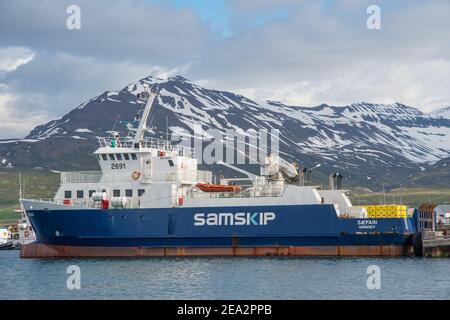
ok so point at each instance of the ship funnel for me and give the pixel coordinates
(331, 181)
(339, 181)
(302, 176)
(335, 181)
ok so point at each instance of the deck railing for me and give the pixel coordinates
(153, 143)
(81, 177)
(204, 176)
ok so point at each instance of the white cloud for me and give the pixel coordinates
(13, 57)
(14, 122)
(69, 80)
(325, 54)
(138, 30)
(422, 85)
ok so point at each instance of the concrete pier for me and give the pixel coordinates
(436, 244)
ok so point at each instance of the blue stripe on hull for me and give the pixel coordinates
(295, 225)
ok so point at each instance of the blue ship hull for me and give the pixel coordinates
(251, 230)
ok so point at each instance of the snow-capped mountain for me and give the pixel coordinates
(369, 143)
(441, 113)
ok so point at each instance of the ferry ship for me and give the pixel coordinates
(150, 199)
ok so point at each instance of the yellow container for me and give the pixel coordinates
(386, 211)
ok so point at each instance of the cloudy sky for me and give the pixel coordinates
(301, 52)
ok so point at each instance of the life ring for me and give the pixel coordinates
(135, 175)
(26, 233)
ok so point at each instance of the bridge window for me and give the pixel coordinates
(133, 156)
(67, 194)
(171, 162)
(111, 157)
(141, 192)
(119, 156)
(91, 192)
(126, 156)
(104, 157)
(129, 193)
(98, 157)
(116, 193)
(80, 194)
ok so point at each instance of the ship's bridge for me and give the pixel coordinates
(149, 160)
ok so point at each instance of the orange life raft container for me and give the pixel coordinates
(207, 187)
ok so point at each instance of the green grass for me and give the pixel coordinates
(37, 183)
(8, 216)
(412, 197)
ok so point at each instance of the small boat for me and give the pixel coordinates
(208, 187)
(25, 232)
(7, 246)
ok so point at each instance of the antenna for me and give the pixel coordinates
(20, 194)
(167, 127)
(114, 125)
(20, 186)
(401, 194)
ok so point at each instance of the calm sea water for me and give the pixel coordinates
(224, 278)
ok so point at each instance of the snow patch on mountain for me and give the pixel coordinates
(441, 113)
(83, 130)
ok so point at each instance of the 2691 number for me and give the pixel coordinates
(117, 166)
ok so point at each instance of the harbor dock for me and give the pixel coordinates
(433, 238)
(435, 244)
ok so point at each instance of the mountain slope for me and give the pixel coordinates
(437, 175)
(441, 113)
(369, 143)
